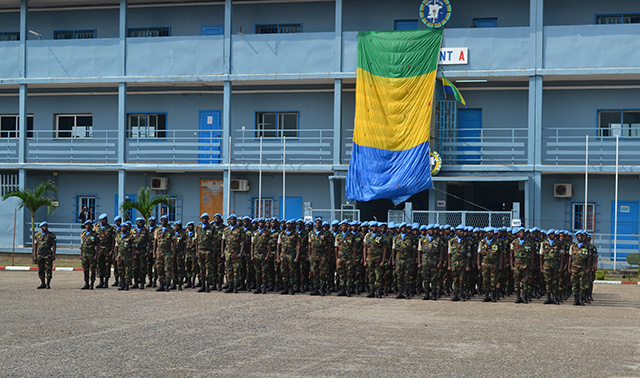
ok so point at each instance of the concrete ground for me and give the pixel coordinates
(68, 332)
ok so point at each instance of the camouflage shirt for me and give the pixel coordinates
(233, 238)
(489, 250)
(272, 243)
(375, 244)
(319, 243)
(288, 242)
(522, 251)
(89, 242)
(106, 234)
(259, 240)
(404, 247)
(579, 255)
(45, 242)
(164, 240)
(304, 242)
(345, 242)
(191, 242)
(206, 237)
(124, 243)
(551, 253)
(430, 249)
(141, 238)
(458, 251)
(181, 242)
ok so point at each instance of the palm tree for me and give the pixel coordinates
(144, 204)
(34, 200)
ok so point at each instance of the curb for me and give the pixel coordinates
(26, 268)
(616, 282)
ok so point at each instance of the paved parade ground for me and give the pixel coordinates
(68, 332)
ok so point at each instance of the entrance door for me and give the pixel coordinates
(209, 137)
(211, 197)
(293, 208)
(627, 228)
(469, 129)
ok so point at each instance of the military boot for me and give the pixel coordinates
(173, 285)
(121, 286)
(315, 292)
(116, 283)
(576, 300)
(456, 297)
(203, 288)
(235, 288)
(101, 284)
(188, 285)
(48, 283)
(167, 286)
(549, 299)
(494, 295)
(161, 288)
(264, 289)
(258, 288)
(126, 287)
(285, 290)
(400, 295)
(155, 283)
(180, 286)
(427, 294)
(42, 284)
(434, 294)
(86, 285)
(91, 286)
(342, 292)
(229, 288)
(486, 297)
(519, 297)
(150, 284)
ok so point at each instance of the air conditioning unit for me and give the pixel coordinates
(159, 183)
(562, 190)
(240, 185)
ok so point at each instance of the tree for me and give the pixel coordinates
(144, 204)
(34, 199)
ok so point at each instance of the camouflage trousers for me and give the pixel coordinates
(233, 264)
(178, 267)
(263, 266)
(220, 263)
(139, 264)
(123, 262)
(552, 276)
(489, 276)
(319, 271)
(103, 257)
(344, 266)
(89, 266)
(303, 270)
(375, 272)
(190, 264)
(208, 267)
(164, 267)
(45, 265)
(521, 277)
(287, 268)
(579, 280)
(457, 276)
(430, 273)
(152, 271)
(403, 274)
(388, 275)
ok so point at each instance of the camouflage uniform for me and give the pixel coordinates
(106, 235)
(288, 242)
(248, 273)
(404, 250)
(359, 271)
(579, 266)
(191, 260)
(388, 264)
(44, 253)
(207, 239)
(344, 242)
(272, 246)
(164, 254)
(522, 253)
(375, 245)
(302, 274)
(151, 262)
(552, 257)
(218, 260)
(233, 238)
(430, 248)
(181, 250)
(489, 251)
(124, 247)
(459, 257)
(89, 244)
(260, 259)
(141, 237)
(319, 256)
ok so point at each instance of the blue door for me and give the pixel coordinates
(627, 228)
(293, 207)
(131, 214)
(211, 30)
(468, 135)
(485, 22)
(405, 24)
(209, 137)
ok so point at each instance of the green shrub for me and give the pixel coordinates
(601, 274)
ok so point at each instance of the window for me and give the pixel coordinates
(74, 34)
(622, 123)
(405, 25)
(155, 31)
(212, 30)
(82, 200)
(9, 36)
(577, 215)
(485, 22)
(278, 28)
(8, 183)
(618, 18)
(77, 126)
(147, 125)
(266, 207)
(9, 125)
(172, 213)
(276, 124)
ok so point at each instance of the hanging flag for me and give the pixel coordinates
(451, 89)
(395, 83)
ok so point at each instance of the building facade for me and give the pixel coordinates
(105, 97)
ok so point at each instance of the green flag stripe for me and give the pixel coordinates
(399, 54)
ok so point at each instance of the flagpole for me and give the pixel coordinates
(284, 182)
(228, 181)
(260, 182)
(615, 217)
(586, 184)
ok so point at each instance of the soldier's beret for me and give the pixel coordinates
(44, 223)
(88, 221)
(102, 216)
(117, 218)
(204, 215)
(139, 219)
(190, 223)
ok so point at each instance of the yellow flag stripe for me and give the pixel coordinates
(393, 114)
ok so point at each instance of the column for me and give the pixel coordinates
(122, 122)
(121, 190)
(337, 120)
(24, 8)
(123, 36)
(226, 146)
(228, 11)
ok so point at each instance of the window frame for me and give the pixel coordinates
(9, 182)
(476, 19)
(397, 22)
(621, 14)
(577, 215)
(16, 131)
(278, 25)
(277, 130)
(147, 29)
(75, 33)
(599, 130)
(57, 130)
(78, 205)
(265, 214)
(3, 36)
(176, 200)
(146, 118)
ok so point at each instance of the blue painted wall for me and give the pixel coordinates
(314, 16)
(565, 12)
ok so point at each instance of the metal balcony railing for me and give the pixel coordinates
(567, 146)
(311, 146)
(175, 146)
(72, 146)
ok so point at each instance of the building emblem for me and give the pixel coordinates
(435, 13)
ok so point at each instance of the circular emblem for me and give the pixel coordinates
(435, 13)
(436, 163)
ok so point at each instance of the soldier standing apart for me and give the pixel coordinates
(163, 249)
(374, 256)
(345, 256)
(260, 256)
(206, 236)
(233, 247)
(106, 235)
(550, 264)
(191, 261)
(44, 254)
(181, 250)
(124, 247)
(489, 259)
(403, 244)
(430, 258)
(521, 257)
(88, 245)
(288, 254)
(319, 257)
(140, 237)
(151, 263)
(458, 261)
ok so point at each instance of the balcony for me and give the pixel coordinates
(10, 61)
(176, 147)
(48, 146)
(567, 146)
(8, 150)
(492, 146)
(309, 146)
(283, 53)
